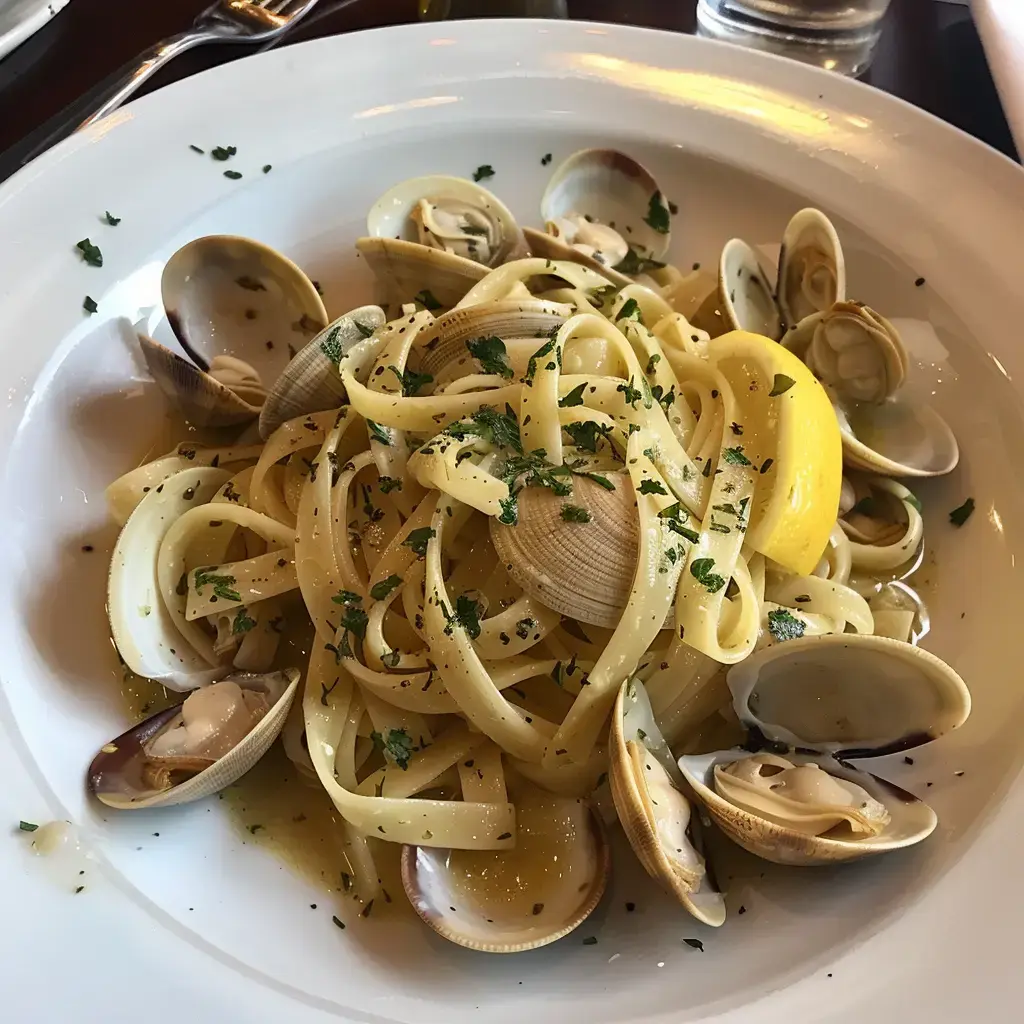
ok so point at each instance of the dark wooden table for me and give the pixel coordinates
(929, 54)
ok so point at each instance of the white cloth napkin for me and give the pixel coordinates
(1001, 27)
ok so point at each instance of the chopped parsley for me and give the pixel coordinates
(630, 311)
(27, 826)
(780, 385)
(651, 487)
(221, 585)
(396, 746)
(784, 625)
(427, 299)
(601, 481)
(364, 329)
(417, 540)
(695, 944)
(410, 380)
(701, 571)
(243, 622)
(89, 305)
(267, 168)
(545, 159)
(585, 435)
(652, 363)
(378, 433)
(233, 175)
(331, 345)
(196, 149)
(960, 515)
(110, 219)
(500, 429)
(90, 253)
(675, 517)
(544, 350)
(379, 591)
(354, 621)
(735, 456)
(575, 514)
(388, 484)
(223, 152)
(766, 465)
(347, 597)
(483, 172)
(538, 472)
(492, 355)
(633, 264)
(658, 216)
(632, 395)
(574, 397)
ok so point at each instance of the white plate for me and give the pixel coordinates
(193, 924)
(21, 18)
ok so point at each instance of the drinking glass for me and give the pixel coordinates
(839, 35)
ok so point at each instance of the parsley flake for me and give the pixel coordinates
(700, 570)
(575, 514)
(492, 356)
(658, 216)
(784, 625)
(396, 746)
(221, 585)
(960, 515)
(90, 253)
(780, 385)
(574, 397)
(379, 591)
(89, 305)
(483, 172)
(110, 219)
(427, 299)
(417, 540)
(651, 487)
(243, 622)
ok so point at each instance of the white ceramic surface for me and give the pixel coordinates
(198, 925)
(21, 18)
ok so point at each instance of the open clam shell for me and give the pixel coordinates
(820, 702)
(655, 814)
(408, 270)
(204, 397)
(582, 570)
(311, 382)
(812, 270)
(133, 772)
(518, 899)
(747, 301)
(604, 203)
(911, 820)
(212, 286)
(449, 214)
(901, 438)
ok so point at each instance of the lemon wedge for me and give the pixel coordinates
(788, 430)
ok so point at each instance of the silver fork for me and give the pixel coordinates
(225, 21)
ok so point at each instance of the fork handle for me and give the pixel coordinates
(103, 98)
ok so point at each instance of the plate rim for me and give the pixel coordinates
(31, 183)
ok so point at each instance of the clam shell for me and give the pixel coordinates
(445, 339)
(853, 695)
(506, 919)
(551, 248)
(630, 762)
(912, 821)
(582, 570)
(812, 270)
(391, 216)
(747, 299)
(613, 189)
(406, 269)
(900, 438)
(311, 382)
(114, 775)
(204, 401)
(227, 295)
